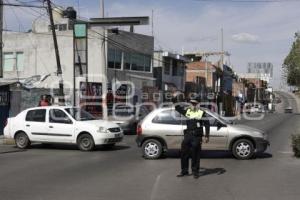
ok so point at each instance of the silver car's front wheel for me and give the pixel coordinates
(243, 149)
(152, 149)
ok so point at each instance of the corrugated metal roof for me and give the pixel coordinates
(7, 82)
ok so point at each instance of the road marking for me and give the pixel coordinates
(155, 187)
(285, 152)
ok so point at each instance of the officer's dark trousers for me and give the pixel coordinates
(191, 146)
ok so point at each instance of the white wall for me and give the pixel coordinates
(39, 55)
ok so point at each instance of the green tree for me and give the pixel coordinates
(291, 63)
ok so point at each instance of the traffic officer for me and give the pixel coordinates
(192, 141)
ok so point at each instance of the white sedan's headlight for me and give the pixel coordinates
(265, 136)
(102, 130)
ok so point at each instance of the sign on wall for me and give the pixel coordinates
(80, 49)
(91, 97)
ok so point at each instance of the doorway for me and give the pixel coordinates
(4, 106)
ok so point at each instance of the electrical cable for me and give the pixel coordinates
(34, 10)
(31, 42)
(248, 1)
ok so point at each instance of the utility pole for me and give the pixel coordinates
(222, 76)
(102, 10)
(206, 70)
(222, 47)
(103, 63)
(1, 39)
(152, 23)
(59, 70)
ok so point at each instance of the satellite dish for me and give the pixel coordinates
(33, 81)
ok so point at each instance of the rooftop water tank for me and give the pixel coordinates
(70, 13)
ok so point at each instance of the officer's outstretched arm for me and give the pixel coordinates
(180, 109)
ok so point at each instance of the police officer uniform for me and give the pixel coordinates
(192, 141)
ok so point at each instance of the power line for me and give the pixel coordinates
(22, 5)
(249, 1)
(31, 42)
(123, 46)
(34, 10)
(115, 43)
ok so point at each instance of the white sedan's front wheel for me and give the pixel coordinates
(22, 140)
(85, 142)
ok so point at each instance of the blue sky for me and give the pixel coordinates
(253, 32)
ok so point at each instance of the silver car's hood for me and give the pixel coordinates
(245, 130)
(240, 127)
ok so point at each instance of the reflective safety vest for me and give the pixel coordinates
(197, 114)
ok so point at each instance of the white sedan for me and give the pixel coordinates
(59, 124)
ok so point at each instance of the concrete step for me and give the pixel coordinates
(4, 141)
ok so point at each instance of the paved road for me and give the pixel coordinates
(62, 172)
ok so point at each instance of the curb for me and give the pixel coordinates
(297, 98)
(4, 141)
(9, 142)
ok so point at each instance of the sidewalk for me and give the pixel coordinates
(8, 146)
(297, 99)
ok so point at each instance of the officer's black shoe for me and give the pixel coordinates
(183, 174)
(196, 175)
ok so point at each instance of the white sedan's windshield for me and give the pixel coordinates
(79, 114)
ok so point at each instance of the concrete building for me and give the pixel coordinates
(129, 62)
(202, 78)
(263, 70)
(169, 71)
(256, 87)
(29, 57)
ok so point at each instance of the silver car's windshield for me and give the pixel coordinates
(218, 117)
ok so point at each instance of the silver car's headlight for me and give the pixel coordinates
(263, 135)
(102, 130)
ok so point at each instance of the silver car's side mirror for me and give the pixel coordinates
(220, 125)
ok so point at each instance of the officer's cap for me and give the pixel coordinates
(194, 101)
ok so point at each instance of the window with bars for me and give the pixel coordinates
(167, 66)
(130, 61)
(8, 62)
(114, 58)
(20, 61)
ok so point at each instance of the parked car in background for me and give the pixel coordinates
(254, 108)
(127, 117)
(277, 100)
(288, 109)
(162, 130)
(56, 124)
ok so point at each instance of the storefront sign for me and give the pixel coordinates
(91, 97)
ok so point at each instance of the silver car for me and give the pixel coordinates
(163, 129)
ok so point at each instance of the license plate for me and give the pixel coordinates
(117, 135)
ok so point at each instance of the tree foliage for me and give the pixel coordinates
(291, 63)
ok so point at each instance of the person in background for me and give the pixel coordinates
(44, 101)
